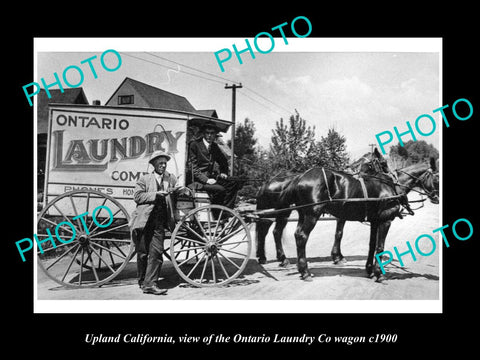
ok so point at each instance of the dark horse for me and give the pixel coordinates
(321, 190)
(270, 195)
(420, 176)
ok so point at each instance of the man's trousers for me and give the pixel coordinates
(149, 246)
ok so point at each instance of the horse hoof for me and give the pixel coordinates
(262, 261)
(285, 262)
(340, 261)
(380, 278)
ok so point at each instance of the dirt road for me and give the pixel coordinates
(417, 280)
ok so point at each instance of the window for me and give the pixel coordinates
(125, 99)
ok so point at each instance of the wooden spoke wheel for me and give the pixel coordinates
(210, 246)
(90, 250)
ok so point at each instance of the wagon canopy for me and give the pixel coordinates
(222, 125)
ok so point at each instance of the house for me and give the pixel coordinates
(135, 93)
(130, 93)
(68, 96)
(210, 113)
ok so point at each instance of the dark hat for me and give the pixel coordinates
(210, 125)
(157, 154)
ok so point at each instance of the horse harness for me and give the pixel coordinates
(365, 199)
(401, 198)
(365, 195)
(420, 180)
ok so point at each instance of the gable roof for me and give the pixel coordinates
(209, 113)
(154, 97)
(69, 96)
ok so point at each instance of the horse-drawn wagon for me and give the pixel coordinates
(95, 156)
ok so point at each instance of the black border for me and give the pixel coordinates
(417, 333)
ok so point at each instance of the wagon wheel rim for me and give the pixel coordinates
(209, 253)
(87, 253)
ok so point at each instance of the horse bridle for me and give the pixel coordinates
(420, 180)
(394, 182)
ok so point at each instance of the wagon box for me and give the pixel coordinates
(95, 156)
(108, 147)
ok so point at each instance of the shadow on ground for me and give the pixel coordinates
(171, 279)
(319, 267)
(324, 267)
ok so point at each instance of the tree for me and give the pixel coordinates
(412, 152)
(249, 159)
(334, 150)
(293, 148)
(245, 147)
(291, 145)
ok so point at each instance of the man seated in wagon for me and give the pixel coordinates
(204, 156)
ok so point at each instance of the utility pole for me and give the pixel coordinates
(371, 145)
(234, 88)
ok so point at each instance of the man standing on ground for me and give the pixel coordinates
(149, 221)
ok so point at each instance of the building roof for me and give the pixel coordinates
(69, 96)
(153, 97)
(211, 113)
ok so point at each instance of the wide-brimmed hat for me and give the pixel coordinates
(157, 154)
(211, 125)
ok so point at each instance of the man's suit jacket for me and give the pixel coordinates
(145, 195)
(201, 161)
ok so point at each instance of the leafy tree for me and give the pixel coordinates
(412, 152)
(245, 147)
(250, 161)
(244, 139)
(293, 148)
(334, 150)
(292, 144)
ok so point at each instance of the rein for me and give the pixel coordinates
(270, 212)
(420, 180)
(410, 188)
(364, 200)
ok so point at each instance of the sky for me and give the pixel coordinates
(357, 90)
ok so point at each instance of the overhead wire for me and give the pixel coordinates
(270, 101)
(223, 78)
(192, 68)
(260, 103)
(210, 79)
(172, 68)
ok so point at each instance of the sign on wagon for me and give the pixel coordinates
(105, 149)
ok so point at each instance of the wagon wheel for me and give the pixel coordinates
(207, 252)
(88, 251)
